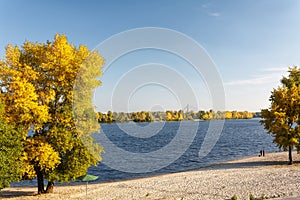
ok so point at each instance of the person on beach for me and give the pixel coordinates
(260, 153)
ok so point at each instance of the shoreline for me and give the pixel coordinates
(269, 176)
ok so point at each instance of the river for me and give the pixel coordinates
(238, 139)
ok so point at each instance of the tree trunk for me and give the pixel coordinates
(290, 155)
(50, 187)
(40, 179)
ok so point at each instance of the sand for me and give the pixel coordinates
(268, 176)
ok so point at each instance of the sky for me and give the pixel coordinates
(251, 43)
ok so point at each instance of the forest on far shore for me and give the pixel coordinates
(147, 116)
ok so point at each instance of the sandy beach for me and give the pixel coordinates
(268, 176)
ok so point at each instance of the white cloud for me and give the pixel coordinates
(267, 75)
(215, 14)
(273, 77)
(204, 6)
(207, 8)
(274, 69)
(254, 81)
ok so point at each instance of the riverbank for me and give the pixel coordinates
(268, 176)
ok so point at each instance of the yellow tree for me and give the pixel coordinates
(47, 87)
(180, 115)
(282, 118)
(228, 115)
(169, 115)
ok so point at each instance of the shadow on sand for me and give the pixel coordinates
(13, 194)
(236, 165)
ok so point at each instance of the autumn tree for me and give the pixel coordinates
(235, 115)
(169, 115)
(282, 118)
(47, 88)
(201, 114)
(228, 115)
(11, 150)
(149, 117)
(141, 116)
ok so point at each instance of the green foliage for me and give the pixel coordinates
(11, 150)
(120, 117)
(106, 118)
(77, 160)
(282, 118)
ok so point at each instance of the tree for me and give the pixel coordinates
(169, 115)
(228, 115)
(142, 116)
(11, 150)
(180, 115)
(282, 118)
(149, 117)
(201, 114)
(48, 88)
(110, 117)
(235, 115)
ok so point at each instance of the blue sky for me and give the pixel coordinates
(252, 43)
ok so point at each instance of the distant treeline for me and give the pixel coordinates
(170, 115)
